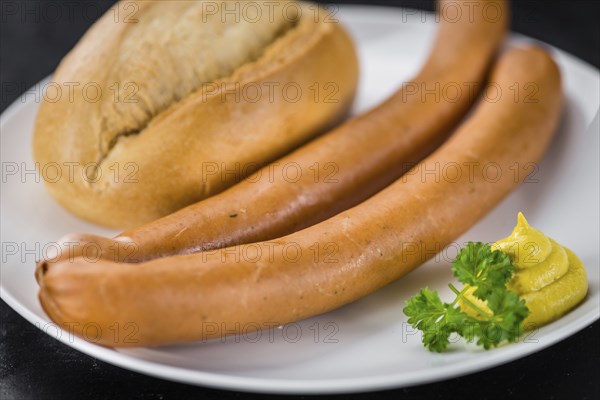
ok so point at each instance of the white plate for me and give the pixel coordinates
(366, 345)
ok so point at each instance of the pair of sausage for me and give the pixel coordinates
(336, 171)
(245, 287)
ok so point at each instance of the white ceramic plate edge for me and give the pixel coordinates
(301, 386)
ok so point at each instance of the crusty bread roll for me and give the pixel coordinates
(160, 108)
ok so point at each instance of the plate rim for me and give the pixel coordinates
(309, 386)
(306, 386)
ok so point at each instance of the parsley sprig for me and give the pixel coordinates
(488, 271)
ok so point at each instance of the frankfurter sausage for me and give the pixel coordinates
(333, 172)
(172, 299)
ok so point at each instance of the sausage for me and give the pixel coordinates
(339, 169)
(240, 288)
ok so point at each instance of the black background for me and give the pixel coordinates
(35, 366)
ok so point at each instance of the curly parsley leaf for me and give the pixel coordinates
(480, 266)
(509, 313)
(435, 319)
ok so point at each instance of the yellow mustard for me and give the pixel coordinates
(549, 277)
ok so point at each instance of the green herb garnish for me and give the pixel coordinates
(477, 265)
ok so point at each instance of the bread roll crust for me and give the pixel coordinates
(125, 171)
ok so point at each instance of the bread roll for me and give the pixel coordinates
(165, 103)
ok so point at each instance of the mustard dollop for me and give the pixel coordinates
(549, 277)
